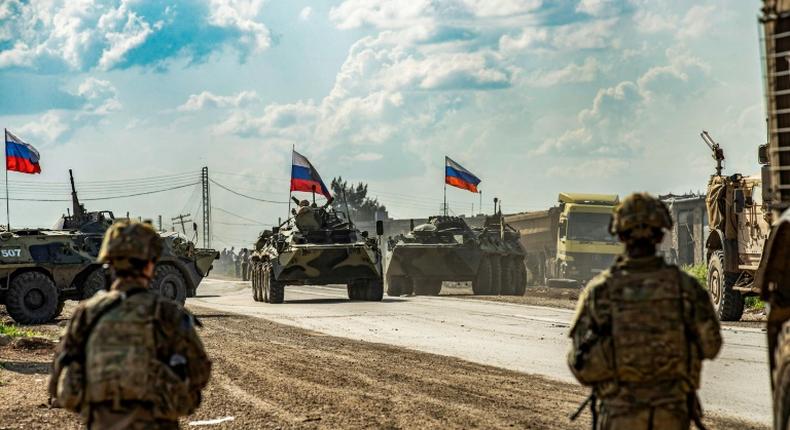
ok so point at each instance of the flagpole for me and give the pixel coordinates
(7, 205)
(290, 183)
(444, 205)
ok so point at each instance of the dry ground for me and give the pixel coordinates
(268, 375)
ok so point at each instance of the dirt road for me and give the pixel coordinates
(523, 338)
(268, 375)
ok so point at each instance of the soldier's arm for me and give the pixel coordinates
(705, 324)
(71, 337)
(587, 355)
(181, 338)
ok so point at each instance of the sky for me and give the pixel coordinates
(535, 97)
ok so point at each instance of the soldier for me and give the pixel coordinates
(642, 329)
(130, 358)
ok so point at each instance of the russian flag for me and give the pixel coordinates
(457, 176)
(304, 177)
(20, 156)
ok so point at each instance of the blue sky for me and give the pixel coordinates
(533, 96)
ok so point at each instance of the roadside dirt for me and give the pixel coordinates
(268, 375)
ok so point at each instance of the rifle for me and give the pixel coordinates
(718, 153)
(591, 400)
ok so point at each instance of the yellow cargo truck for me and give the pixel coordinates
(568, 244)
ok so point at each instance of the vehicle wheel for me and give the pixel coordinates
(727, 302)
(169, 283)
(396, 285)
(256, 293)
(353, 288)
(374, 291)
(781, 378)
(507, 285)
(276, 293)
(32, 298)
(496, 276)
(95, 281)
(265, 284)
(482, 283)
(520, 277)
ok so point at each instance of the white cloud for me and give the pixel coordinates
(595, 7)
(306, 13)
(83, 34)
(590, 169)
(46, 129)
(609, 128)
(697, 21)
(124, 30)
(592, 34)
(365, 156)
(572, 73)
(242, 15)
(100, 97)
(207, 99)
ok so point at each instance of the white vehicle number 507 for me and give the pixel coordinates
(10, 253)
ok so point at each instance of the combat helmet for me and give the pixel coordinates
(126, 241)
(640, 216)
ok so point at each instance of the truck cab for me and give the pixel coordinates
(584, 245)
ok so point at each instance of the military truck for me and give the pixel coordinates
(773, 274)
(41, 268)
(317, 246)
(568, 244)
(739, 225)
(447, 249)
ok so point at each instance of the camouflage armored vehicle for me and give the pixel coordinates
(41, 268)
(447, 249)
(318, 246)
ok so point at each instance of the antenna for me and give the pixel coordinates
(348, 212)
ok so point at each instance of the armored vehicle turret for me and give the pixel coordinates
(447, 249)
(317, 246)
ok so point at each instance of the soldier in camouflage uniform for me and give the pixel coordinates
(130, 358)
(642, 329)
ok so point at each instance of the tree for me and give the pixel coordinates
(362, 207)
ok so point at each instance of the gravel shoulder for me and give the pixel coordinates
(268, 375)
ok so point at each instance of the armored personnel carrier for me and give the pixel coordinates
(317, 246)
(447, 249)
(41, 268)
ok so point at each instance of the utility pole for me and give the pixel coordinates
(159, 218)
(206, 208)
(182, 219)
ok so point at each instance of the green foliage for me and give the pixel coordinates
(754, 303)
(699, 272)
(362, 207)
(14, 331)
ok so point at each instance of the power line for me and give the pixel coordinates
(104, 197)
(233, 214)
(244, 195)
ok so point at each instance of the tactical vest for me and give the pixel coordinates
(649, 339)
(121, 363)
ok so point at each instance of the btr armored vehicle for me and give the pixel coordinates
(318, 246)
(447, 249)
(41, 268)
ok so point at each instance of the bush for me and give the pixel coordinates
(754, 303)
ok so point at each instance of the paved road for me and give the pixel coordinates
(530, 339)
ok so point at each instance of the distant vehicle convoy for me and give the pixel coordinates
(567, 245)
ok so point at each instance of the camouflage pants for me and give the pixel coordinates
(672, 416)
(130, 418)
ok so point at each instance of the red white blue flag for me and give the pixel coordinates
(456, 176)
(20, 156)
(304, 177)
